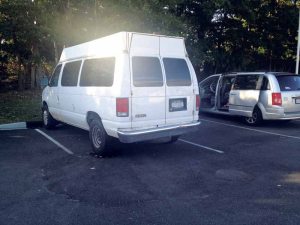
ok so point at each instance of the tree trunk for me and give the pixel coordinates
(55, 51)
(33, 76)
(20, 75)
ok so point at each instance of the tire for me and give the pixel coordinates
(98, 137)
(48, 121)
(255, 119)
(173, 139)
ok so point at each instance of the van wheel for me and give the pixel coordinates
(48, 121)
(173, 139)
(98, 137)
(255, 119)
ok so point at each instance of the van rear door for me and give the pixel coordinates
(180, 97)
(179, 73)
(147, 83)
(290, 92)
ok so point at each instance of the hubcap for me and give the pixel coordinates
(96, 137)
(45, 117)
(252, 119)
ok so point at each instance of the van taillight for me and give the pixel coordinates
(276, 99)
(122, 107)
(197, 102)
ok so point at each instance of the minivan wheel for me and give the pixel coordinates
(48, 121)
(255, 119)
(98, 137)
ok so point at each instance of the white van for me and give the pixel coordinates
(130, 86)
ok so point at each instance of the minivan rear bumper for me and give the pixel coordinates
(281, 116)
(153, 133)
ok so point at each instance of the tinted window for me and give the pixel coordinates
(177, 72)
(247, 82)
(146, 72)
(289, 83)
(265, 84)
(70, 74)
(98, 72)
(54, 79)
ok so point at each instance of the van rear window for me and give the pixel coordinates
(98, 72)
(146, 72)
(177, 72)
(289, 83)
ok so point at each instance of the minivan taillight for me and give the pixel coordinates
(276, 99)
(122, 107)
(197, 102)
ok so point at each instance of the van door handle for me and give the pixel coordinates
(232, 94)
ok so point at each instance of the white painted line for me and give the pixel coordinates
(202, 146)
(252, 129)
(55, 142)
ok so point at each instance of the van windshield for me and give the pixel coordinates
(289, 83)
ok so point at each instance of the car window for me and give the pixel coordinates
(98, 72)
(54, 79)
(247, 82)
(289, 83)
(146, 72)
(70, 74)
(209, 85)
(177, 72)
(265, 84)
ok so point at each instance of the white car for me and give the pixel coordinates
(130, 86)
(256, 96)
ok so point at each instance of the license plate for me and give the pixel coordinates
(178, 104)
(297, 100)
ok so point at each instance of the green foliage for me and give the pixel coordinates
(221, 35)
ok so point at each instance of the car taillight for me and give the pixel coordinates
(122, 107)
(197, 102)
(276, 99)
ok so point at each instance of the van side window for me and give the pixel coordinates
(98, 72)
(54, 79)
(70, 74)
(146, 72)
(177, 72)
(246, 82)
(265, 84)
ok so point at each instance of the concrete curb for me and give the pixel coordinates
(21, 125)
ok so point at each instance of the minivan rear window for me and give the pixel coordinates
(98, 72)
(289, 83)
(177, 72)
(146, 72)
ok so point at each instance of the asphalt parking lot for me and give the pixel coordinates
(226, 173)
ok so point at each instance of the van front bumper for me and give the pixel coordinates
(154, 133)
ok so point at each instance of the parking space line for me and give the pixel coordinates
(252, 129)
(201, 146)
(55, 142)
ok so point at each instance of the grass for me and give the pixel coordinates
(20, 106)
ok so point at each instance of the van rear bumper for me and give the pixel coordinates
(154, 133)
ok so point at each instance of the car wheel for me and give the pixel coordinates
(98, 137)
(48, 121)
(255, 119)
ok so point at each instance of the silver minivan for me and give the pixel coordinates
(256, 96)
